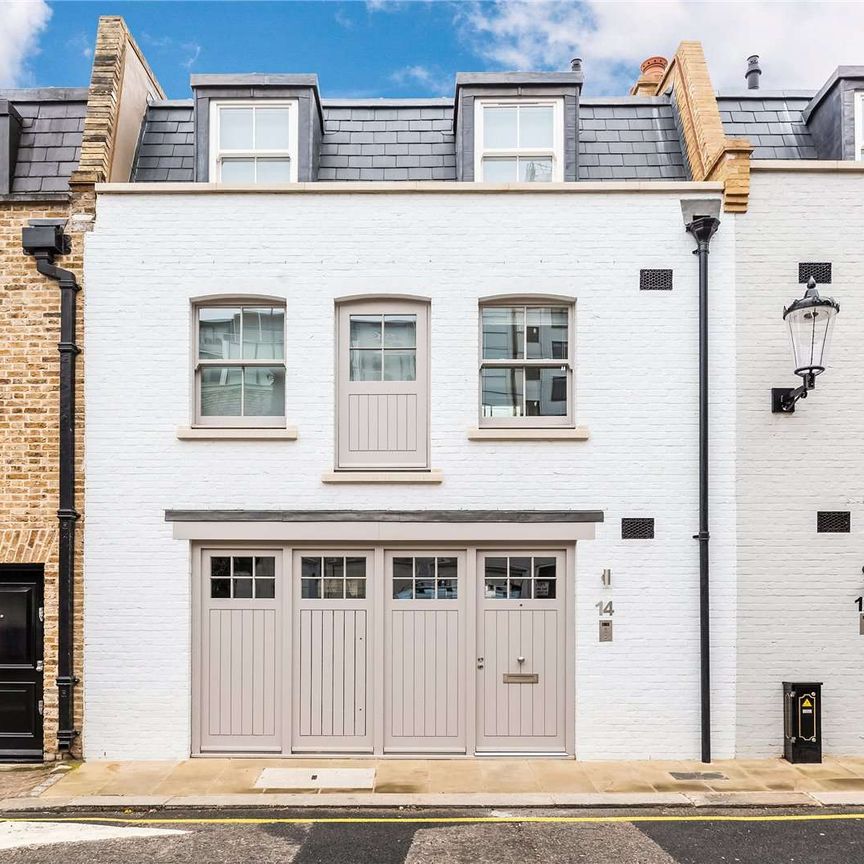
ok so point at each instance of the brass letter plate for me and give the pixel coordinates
(521, 679)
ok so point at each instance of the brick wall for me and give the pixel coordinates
(636, 389)
(29, 403)
(797, 617)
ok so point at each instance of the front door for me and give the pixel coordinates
(521, 652)
(424, 652)
(21, 662)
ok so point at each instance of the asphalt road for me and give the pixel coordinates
(430, 837)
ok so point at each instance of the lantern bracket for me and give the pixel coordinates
(783, 399)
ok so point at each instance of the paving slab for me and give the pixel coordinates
(752, 799)
(316, 778)
(839, 799)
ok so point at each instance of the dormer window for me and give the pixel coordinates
(519, 140)
(253, 142)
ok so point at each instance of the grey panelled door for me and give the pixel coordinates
(383, 384)
(520, 652)
(240, 669)
(332, 643)
(424, 649)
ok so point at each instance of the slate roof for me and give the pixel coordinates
(166, 148)
(629, 139)
(394, 140)
(772, 122)
(52, 124)
(619, 139)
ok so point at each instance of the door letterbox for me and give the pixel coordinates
(802, 722)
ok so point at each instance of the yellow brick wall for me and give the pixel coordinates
(712, 156)
(29, 442)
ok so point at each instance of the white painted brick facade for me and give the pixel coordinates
(635, 385)
(797, 619)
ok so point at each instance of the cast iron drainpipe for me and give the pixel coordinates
(703, 229)
(34, 243)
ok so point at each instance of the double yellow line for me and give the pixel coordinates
(435, 820)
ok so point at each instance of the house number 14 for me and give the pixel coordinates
(605, 608)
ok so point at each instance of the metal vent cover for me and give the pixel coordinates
(833, 522)
(637, 529)
(655, 280)
(819, 270)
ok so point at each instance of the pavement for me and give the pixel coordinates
(324, 782)
(407, 836)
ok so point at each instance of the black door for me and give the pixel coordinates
(21, 662)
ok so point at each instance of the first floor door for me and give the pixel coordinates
(521, 652)
(21, 662)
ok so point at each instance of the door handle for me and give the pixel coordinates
(520, 660)
(40, 665)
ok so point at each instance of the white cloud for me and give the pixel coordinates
(800, 42)
(81, 44)
(431, 80)
(23, 21)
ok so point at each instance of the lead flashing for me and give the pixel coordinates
(254, 79)
(412, 516)
(359, 187)
(841, 73)
(510, 79)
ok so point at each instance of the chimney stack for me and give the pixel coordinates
(754, 70)
(652, 73)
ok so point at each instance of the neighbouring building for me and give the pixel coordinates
(393, 418)
(55, 144)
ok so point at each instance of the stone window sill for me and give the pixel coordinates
(514, 433)
(433, 476)
(204, 433)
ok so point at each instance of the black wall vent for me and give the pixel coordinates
(637, 529)
(833, 522)
(819, 270)
(655, 280)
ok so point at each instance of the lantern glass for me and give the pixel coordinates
(810, 329)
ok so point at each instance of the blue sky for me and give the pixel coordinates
(357, 49)
(414, 47)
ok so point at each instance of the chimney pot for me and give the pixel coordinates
(652, 73)
(576, 64)
(754, 70)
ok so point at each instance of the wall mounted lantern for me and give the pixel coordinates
(810, 320)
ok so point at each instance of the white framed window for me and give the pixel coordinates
(518, 140)
(253, 141)
(859, 125)
(526, 365)
(239, 367)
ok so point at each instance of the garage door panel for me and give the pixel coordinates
(332, 596)
(425, 660)
(239, 686)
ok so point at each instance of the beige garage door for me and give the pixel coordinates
(332, 648)
(240, 666)
(424, 651)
